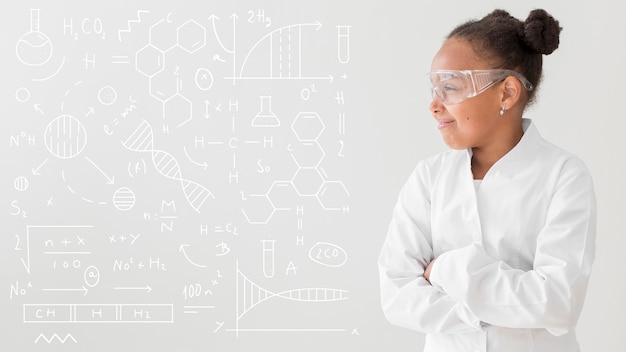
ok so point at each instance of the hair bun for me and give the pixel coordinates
(499, 13)
(541, 32)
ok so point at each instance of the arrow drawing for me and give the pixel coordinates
(213, 18)
(36, 171)
(84, 290)
(204, 165)
(110, 180)
(147, 288)
(182, 249)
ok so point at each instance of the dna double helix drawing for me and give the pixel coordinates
(142, 140)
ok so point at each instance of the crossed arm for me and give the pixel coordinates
(465, 287)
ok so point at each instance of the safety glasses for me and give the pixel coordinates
(454, 86)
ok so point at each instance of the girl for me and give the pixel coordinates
(491, 244)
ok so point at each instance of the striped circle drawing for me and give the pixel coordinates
(65, 137)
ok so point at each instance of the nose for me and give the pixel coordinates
(436, 106)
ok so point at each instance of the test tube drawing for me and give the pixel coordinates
(268, 258)
(343, 44)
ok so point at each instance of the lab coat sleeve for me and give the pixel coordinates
(408, 300)
(550, 295)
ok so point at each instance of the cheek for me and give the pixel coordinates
(470, 122)
(467, 115)
(464, 116)
(472, 119)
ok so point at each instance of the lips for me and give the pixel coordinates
(443, 123)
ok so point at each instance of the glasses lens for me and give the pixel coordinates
(435, 91)
(448, 86)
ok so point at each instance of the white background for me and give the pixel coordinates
(388, 130)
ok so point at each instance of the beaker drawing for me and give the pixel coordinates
(265, 117)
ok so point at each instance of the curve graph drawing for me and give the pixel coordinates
(249, 295)
(142, 140)
(278, 55)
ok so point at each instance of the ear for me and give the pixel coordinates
(511, 92)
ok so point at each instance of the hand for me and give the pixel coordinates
(428, 269)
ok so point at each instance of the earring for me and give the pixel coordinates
(503, 110)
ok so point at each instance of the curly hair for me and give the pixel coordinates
(507, 42)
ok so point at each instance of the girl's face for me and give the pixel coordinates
(474, 122)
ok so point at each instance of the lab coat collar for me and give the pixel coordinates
(519, 155)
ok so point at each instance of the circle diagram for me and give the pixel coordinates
(22, 95)
(124, 199)
(21, 183)
(65, 137)
(107, 95)
(92, 276)
(204, 79)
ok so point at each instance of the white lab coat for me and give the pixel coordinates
(513, 256)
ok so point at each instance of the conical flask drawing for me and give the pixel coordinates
(265, 117)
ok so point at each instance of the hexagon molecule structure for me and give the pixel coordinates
(191, 36)
(149, 60)
(307, 126)
(307, 154)
(333, 195)
(177, 110)
(258, 209)
(282, 194)
(163, 35)
(307, 181)
(163, 85)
